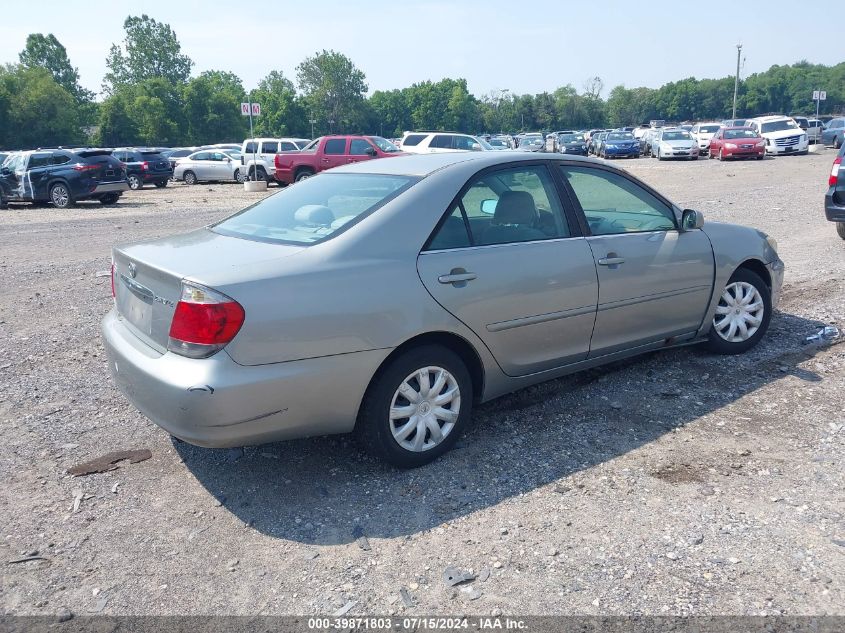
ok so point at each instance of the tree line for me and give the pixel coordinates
(150, 98)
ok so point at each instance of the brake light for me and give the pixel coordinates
(113, 294)
(834, 172)
(144, 166)
(84, 167)
(204, 322)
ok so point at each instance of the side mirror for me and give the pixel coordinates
(488, 207)
(475, 147)
(691, 220)
(370, 151)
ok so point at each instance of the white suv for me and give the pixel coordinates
(258, 155)
(702, 133)
(783, 135)
(438, 142)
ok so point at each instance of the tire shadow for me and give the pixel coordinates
(325, 491)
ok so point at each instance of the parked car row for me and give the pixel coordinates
(62, 177)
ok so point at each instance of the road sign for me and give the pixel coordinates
(256, 109)
(822, 95)
(251, 108)
(245, 106)
(815, 95)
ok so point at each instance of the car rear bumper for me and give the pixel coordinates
(834, 212)
(111, 187)
(157, 176)
(216, 402)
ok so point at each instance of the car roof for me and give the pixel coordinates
(421, 165)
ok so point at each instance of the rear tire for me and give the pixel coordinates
(190, 178)
(135, 182)
(837, 142)
(60, 196)
(303, 174)
(109, 198)
(444, 408)
(259, 174)
(739, 288)
(840, 228)
(238, 177)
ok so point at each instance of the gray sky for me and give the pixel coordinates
(525, 46)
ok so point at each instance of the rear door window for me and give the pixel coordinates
(269, 147)
(441, 141)
(59, 159)
(335, 146)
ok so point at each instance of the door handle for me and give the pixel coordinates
(611, 261)
(458, 277)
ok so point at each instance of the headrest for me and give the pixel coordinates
(516, 207)
(314, 214)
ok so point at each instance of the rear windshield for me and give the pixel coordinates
(709, 129)
(620, 136)
(314, 209)
(676, 136)
(571, 138)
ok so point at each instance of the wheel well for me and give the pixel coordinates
(758, 267)
(451, 341)
(301, 169)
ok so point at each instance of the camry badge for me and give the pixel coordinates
(132, 270)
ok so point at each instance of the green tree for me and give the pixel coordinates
(38, 111)
(147, 113)
(212, 105)
(282, 110)
(45, 51)
(149, 50)
(334, 88)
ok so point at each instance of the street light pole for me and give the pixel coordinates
(736, 81)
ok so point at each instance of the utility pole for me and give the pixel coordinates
(736, 81)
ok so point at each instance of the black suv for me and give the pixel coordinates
(834, 201)
(144, 166)
(62, 177)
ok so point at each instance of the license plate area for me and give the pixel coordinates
(135, 304)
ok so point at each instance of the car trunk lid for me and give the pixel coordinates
(148, 276)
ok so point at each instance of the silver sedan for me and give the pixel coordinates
(388, 297)
(208, 165)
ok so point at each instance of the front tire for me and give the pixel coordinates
(837, 142)
(135, 182)
(416, 407)
(840, 228)
(161, 184)
(60, 196)
(742, 315)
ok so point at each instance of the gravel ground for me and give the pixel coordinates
(677, 483)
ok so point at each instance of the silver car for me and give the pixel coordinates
(209, 165)
(674, 143)
(388, 297)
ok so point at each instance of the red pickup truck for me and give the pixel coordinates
(331, 151)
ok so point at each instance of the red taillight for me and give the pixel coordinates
(112, 281)
(84, 167)
(204, 322)
(144, 166)
(834, 172)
